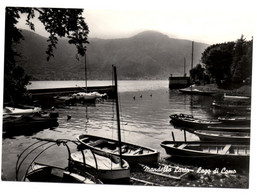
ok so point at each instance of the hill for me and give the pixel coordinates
(147, 55)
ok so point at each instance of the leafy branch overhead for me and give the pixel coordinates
(58, 22)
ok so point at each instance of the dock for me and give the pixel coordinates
(176, 82)
(45, 97)
(70, 90)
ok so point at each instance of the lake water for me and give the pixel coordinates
(144, 120)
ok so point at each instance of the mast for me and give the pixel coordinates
(85, 72)
(117, 112)
(192, 59)
(184, 67)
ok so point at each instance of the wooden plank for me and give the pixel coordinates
(97, 142)
(138, 151)
(226, 149)
(182, 146)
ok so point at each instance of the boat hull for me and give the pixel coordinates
(235, 120)
(185, 121)
(208, 152)
(106, 170)
(223, 136)
(44, 173)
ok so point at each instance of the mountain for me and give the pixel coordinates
(147, 55)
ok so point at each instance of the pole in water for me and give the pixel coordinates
(173, 137)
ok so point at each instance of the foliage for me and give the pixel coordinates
(197, 73)
(242, 61)
(57, 22)
(229, 62)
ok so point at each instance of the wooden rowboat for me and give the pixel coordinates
(42, 172)
(132, 153)
(188, 121)
(39, 172)
(229, 128)
(222, 135)
(235, 97)
(109, 169)
(209, 151)
(235, 120)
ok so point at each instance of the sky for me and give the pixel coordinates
(199, 20)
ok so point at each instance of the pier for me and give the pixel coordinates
(179, 82)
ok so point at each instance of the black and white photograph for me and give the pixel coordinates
(138, 95)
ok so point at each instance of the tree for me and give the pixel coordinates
(197, 73)
(217, 60)
(58, 22)
(229, 63)
(242, 60)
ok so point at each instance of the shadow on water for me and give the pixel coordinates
(28, 130)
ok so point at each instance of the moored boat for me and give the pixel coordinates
(29, 121)
(107, 168)
(39, 172)
(132, 153)
(83, 96)
(189, 121)
(235, 97)
(44, 172)
(229, 128)
(20, 111)
(196, 91)
(231, 106)
(209, 152)
(237, 120)
(223, 135)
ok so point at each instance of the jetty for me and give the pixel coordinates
(68, 90)
(46, 97)
(176, 82)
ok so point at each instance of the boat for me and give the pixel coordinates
(231, 106)
(209, 152)
(107, 168)
(84, 96)
(191, 91)
(190, 122)
(43, 172)
(235, 97)
(222, 135)
(132, 153)
(20, 111)
(27, 121)
(39, 172)
(229, 128)
(235, 120)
